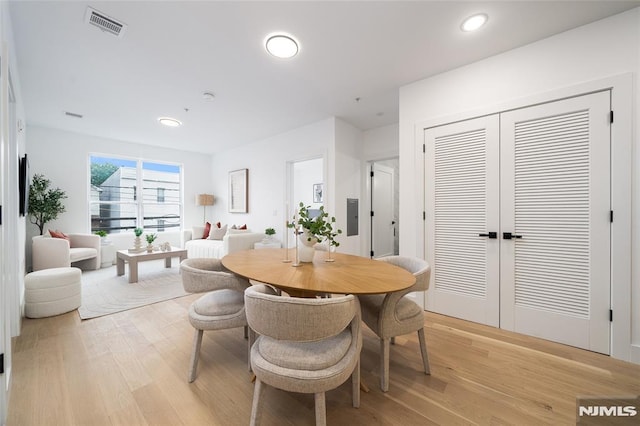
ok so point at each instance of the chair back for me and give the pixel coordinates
(420, 268)
(208, 274)
(299, 319)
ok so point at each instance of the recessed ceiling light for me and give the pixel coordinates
(281, 46)
(474, 22)
(168, 121)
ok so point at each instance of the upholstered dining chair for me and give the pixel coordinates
(393, 314)
(306, 345)
(222, 306)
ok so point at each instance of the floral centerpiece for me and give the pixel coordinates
(315, 229)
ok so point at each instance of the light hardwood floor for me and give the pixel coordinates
(131, 369)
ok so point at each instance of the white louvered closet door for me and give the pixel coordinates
(555, 185)
(462, 179)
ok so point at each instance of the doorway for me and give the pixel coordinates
(305, 184)
(384, 199)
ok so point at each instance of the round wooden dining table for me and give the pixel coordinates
(347, 274)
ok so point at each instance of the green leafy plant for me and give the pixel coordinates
(101, 232)
(138, 232)
(270, 231)
(151, 238)
(45, 203)
(320, 227)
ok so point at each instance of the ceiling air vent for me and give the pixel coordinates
(104, 22)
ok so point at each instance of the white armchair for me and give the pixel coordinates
(82, 250)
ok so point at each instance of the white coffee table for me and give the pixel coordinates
(134, 258)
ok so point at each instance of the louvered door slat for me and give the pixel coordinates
(555, 195)
(559, 144)
(460, 194)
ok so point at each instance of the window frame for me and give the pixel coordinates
(138, 200)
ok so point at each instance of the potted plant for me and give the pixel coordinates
(269, 232)
(103, 236)
(45, 203)
(312, 230)
(137, 244)
(150, 239)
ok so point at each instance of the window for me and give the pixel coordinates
(126, 194)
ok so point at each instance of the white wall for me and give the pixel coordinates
(267, 163)
(593, 52)
(380, 143)
(346, 161)
(63, 158)
(338, 143)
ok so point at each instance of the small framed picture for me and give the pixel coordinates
(317, 192)
(239, 191)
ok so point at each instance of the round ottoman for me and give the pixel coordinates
(50, 292)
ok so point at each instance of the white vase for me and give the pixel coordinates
(305, 247)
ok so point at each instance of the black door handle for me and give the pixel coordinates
(509, 235)
(491, 235)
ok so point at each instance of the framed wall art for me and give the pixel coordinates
(317, 192)
(239, 191)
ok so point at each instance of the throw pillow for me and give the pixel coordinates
(207, 229)
(58, 234)
(217, 234)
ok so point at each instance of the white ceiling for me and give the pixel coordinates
(173, 51)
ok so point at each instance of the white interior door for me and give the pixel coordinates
(462, 221)
(555, 192)
(382, 204)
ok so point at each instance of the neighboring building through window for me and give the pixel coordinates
(119, 205)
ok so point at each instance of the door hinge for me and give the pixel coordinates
(611, 216)
(610, 116)
(424, 215)
(371, 173)
(371, 253)
(1, 363)
(371, 213)
(0, 215)
(424, 149)
(610, 315)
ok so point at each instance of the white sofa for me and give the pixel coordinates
(81, 250)
(234, 240)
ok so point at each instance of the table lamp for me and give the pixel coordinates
(204, 200)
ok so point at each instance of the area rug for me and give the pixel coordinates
(104, 293)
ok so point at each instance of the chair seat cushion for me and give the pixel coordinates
(405, 309)
(82, 253)
(219, 303)
(305, 355)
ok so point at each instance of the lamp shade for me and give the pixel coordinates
(204, 200)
